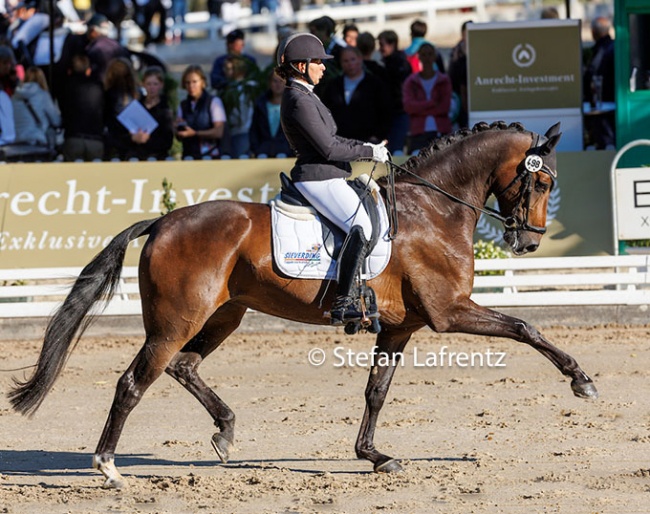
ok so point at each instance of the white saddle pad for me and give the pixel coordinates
(299, 249)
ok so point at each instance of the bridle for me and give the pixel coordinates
(533, 163)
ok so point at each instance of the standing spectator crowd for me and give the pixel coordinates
(93, 104)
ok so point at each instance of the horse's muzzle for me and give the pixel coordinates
(522, 241)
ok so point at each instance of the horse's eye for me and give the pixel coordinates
(541, 187)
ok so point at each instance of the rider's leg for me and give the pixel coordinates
(335, 200)
(350, 261)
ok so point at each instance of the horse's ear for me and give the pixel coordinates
(551, 143)
(555, 129)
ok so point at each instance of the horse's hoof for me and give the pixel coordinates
(106, 465)
(113, 483)
(222, 446)
(584, 390)
(390, 466)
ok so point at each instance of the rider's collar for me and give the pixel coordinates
(302, 83)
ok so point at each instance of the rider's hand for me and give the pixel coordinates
(379, 152)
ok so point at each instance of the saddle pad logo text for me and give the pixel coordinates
(309, 257)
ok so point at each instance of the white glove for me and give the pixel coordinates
(379, 152)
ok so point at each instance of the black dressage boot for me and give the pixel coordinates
(345, 308)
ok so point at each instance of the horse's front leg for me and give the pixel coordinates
(386, 356)
(473, 319)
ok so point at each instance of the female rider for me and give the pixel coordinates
(323, 161)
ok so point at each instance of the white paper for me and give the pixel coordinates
(135, 117)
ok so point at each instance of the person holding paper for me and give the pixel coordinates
(156, 143)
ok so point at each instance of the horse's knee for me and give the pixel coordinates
(127, 392)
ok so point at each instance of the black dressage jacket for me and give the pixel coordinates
(311, 132)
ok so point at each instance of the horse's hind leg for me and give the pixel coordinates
(147, 366)
(184, 368)
(387, 354)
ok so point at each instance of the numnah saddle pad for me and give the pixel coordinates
(303, 247)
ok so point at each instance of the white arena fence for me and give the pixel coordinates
(235, 16)
(525, 282)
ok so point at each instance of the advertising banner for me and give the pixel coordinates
(59, 215)
(632, 203)
(530, 72)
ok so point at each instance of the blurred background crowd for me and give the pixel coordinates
(83, 106)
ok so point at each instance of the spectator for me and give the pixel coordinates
(239, 98)
(113, 11)
(34, 111)
(271, 6)
(323, 28)
(82, 109)
(358, 100)
(366, 44)
(120, 89)
(549, 13)
(601, 129)
(144, 12)
(178, 12)
(266, 134)
(201, 117)
(350, 34)
(8, 73)
(7, 127)
(235, 47)
(418, 31)
(427, 98)
(100, 48)
(157, 143)
(24, 31)
(458, 75)
(397, 69)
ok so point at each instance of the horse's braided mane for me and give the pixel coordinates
(447, 141)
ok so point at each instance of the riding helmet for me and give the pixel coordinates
(301, 47)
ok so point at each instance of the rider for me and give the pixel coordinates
(323, 161)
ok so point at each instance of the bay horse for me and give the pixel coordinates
(204, 265)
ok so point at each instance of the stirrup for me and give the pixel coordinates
(344, 310)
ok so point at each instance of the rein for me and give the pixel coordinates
(533, 163)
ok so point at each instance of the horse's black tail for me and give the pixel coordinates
(97, 280)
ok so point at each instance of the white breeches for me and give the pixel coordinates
(337, 201)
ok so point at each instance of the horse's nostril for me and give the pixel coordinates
(532, 247)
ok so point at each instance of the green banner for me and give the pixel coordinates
(524, 65)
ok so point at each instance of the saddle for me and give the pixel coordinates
(306, 245)
(290, 195)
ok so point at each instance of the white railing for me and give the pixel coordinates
(546, 281)
(234, 16)
(563, 281)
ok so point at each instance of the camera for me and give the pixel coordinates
(181, 127)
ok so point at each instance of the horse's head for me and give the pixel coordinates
(523, 187)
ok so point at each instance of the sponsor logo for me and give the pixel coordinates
(524, 55)
(310, 257)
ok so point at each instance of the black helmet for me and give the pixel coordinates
(301, 47)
